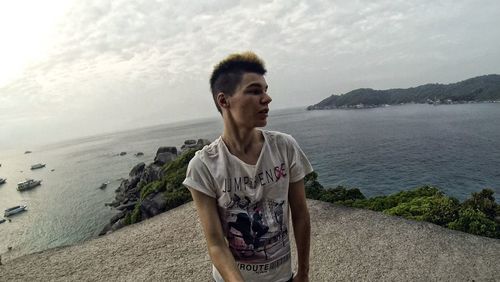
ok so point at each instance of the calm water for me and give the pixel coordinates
(380, 151)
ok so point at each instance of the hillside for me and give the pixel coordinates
(347, 244)
(481, 88)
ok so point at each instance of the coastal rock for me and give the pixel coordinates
(118, 216)
(106, 229)
(152, 173)
(153, 205)
(165, 155)
(192, 144)
(124, 207)
(164, 158)
(138, 168)
(117, 225)
(128, 193)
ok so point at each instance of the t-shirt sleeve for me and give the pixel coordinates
(199, 178)
(299, 164)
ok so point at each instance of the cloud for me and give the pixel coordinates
(113, 65)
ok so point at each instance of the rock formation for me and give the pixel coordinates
(128, 194)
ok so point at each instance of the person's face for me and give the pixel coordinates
(249, 105)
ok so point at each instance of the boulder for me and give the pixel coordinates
(192, 144)
(138, 168)
(117, 217)
(127, 206)
(165, 149)
(117, 225)
(159, 201)
(153, 204)
(164, 158)
(152, 173)
(105, 230)
(203, 142)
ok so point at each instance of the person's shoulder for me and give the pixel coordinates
(278, 137)
(208, 152)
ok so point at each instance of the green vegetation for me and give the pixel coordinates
(481, 88)
(475, 215)
(171, 183)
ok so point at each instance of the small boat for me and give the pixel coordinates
(27, 152)
(28, 184)
(36, 166)
(14, 210)
(3, 180)
(104, 185)
(2, 220)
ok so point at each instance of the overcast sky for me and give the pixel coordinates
(77, 68)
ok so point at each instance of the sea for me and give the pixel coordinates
(380, 151)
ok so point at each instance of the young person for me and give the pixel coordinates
(245, 183)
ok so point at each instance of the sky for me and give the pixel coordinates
(78, 68)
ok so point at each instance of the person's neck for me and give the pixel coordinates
(240, 140)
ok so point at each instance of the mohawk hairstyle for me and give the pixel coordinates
(228, 73)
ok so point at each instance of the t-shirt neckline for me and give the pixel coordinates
(241, 161)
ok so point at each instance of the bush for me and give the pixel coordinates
(136, 214)
(150, 188)
(475, 222)
(382, 203)
(177, 198)
(340, 194)
(313, 188)
(435, 209)
(484, 202)
(316, 191)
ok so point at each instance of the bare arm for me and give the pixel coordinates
(301, 228)
(217, 247)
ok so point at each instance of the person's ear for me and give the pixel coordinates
(222, 100)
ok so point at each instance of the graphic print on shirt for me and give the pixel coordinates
(256, 228)
(252, 235)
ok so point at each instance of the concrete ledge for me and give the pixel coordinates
(347, 244)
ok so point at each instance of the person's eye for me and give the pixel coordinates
(255, 91)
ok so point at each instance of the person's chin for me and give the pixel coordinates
(261, 123)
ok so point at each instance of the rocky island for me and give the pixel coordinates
(484, 88)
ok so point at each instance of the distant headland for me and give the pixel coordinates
(484, 88)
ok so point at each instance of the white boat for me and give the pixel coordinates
(14, 210)
(28, 184)
(3, 180)
(35, 166)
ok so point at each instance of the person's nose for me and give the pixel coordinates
(266, 99)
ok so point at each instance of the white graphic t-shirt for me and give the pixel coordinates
(252, 201)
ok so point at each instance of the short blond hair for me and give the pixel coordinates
(227, 74)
